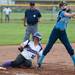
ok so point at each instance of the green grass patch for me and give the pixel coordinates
(13, 33)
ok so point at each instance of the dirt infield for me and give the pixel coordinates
(57, 62)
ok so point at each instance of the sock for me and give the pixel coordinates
(7, 64)
(40, 61)
(73, 59)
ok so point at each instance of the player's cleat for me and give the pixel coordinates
(73, 59)
(7, 64)
(2, 68)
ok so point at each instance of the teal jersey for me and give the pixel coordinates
(62, 21)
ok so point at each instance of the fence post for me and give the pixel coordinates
(1, 14)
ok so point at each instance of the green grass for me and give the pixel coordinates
(13, 33)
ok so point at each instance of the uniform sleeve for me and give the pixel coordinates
(10, 10)
(40, 50)
(40, 53)
(26, 13)
(26, 42)
(39, 14)
(62, 13)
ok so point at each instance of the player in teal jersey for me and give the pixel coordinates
(59, 32)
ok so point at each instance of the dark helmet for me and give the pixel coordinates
(62, 4)
(38, 35)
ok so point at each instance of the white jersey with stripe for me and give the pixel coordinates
(31, 50)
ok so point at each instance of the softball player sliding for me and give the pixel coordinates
(59, 32)
(28, 49)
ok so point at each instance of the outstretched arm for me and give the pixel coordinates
(22, 45)
(69, 14)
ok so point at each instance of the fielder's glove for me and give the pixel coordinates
(25, 25)
(20, 48)
(39, 65)
(68, 10)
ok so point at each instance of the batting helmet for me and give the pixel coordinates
(38, 35)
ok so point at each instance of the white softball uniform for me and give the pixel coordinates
(31, 50)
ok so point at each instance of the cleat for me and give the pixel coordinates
(2, 68)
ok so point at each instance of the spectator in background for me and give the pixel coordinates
(31, 19)
(7, 12)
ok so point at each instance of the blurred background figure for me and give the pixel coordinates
(31, 19)
(7, 12)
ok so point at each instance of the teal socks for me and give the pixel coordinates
(40, 61)
(73, 59)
